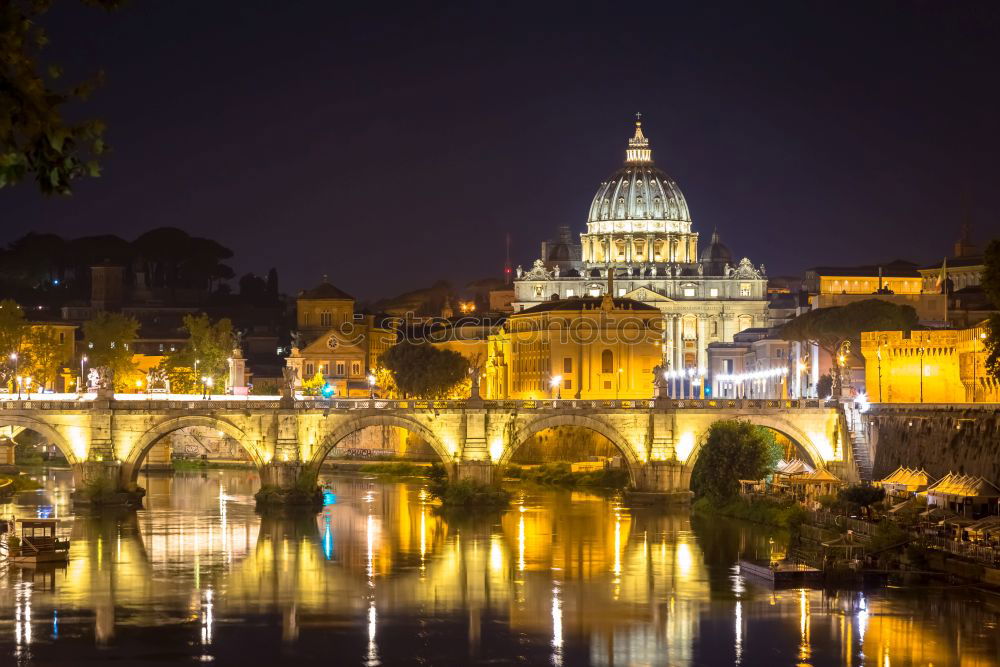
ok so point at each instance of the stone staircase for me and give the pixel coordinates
(859, 443)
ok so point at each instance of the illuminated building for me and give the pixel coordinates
(639, 229)
(754, 365)
(333, 340)
(580, 347)
(936, 366)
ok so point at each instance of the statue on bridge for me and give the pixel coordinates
(290, 377)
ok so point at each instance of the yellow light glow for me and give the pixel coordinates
(822, 445)
(451, 446)
(496, 554)
(78, 442)
(496, 448)
(685, 446)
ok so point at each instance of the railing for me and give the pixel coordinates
(981, 553)
(230, 403)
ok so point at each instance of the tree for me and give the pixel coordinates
(830, 328)
(863, 496)
(991, 285)
(210, 344)
(424, 371)
(35, 139)
(313, 385)
(12, 331)
(107, 336)
(733, 450)
(45, 355)
(271, 287)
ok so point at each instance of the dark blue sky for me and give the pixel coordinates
(392, 146)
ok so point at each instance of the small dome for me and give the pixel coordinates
(716, 251)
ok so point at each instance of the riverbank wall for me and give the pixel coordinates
(940, 439)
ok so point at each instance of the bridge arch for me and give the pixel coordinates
(356, 424)
(800, 438)
(534, 426)
(167, 426)
(64, 446)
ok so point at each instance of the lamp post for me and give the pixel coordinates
(209, 382)
(13, 357)
(27, 386)
(371, 385)
(83, 361)
(556, 383)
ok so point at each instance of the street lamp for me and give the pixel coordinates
(371, 385)
(83, 360)
(556, 384)
(13, 357)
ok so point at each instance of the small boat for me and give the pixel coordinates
(34, 542)
(782, 573)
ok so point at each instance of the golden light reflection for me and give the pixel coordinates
(685, 445)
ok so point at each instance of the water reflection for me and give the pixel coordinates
(561, 578)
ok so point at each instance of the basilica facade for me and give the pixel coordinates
(640, 230)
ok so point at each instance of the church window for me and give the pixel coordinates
(567, 384)
(607, 362)
(326, 318)
(324, 369)
(607, 384)
(621, 291)
(688, 291)
(309, 370)
(715, 328)
(713, 291)
(745, 289)
(355, 368)
(567, 365)
(570, 292)
(340, 368)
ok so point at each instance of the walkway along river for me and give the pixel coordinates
(378, 577)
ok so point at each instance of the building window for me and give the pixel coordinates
(324, 369)
(567, 365)
(715, 328)
(62, 338)
(340, 368)
(567, 384)
(744, 289)
(607, 384)
(355, 368)
(570, 292)
(727, 366)
(309, 370)
(781, 353)
(688, 291)
(621, 291)
(326, 318)
(713, 292)
(607, 362)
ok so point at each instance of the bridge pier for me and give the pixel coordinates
(662, 481)
(477, 471)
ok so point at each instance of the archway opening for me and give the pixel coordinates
(195, 447)
(25, 446)
(790, 448)
(569, 455)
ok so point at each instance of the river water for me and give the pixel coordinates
(379, 578)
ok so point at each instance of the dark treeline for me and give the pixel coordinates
(167, 263)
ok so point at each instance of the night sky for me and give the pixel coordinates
(392, 146)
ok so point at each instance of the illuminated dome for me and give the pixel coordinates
(639, 197)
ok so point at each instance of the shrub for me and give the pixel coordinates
(397, 468)
(472, 494)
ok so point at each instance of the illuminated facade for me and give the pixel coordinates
(587, 348)
(334, 341)
(936, 366)
(639, 229)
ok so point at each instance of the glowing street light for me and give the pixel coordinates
(209, 382)
(556, 384)
(13, 357)
(371, 385)
(83, 360)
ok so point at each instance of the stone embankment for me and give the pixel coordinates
(940, 439)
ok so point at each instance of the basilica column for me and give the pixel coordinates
(701, 344)
(797, 356)
(628, 247)
(678, 344)
(814, 370)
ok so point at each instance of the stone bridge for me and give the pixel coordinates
(659, 439)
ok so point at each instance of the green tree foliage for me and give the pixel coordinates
(829, 328)
(35, 137)
(107, 338)
(312, 386)
(12, 331)
(45, 355)
(424, 371)
(991, 285)
(209, 344)
(734, 450)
